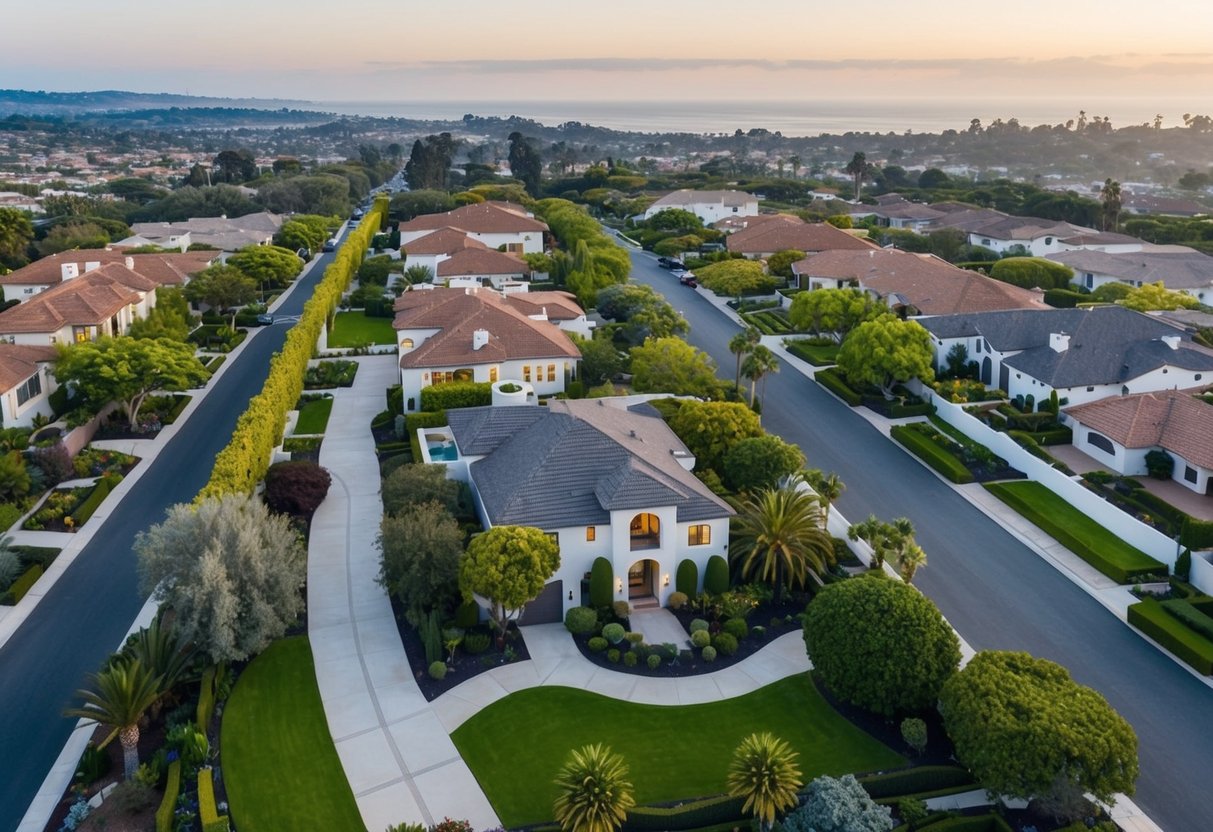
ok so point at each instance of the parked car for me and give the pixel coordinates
(329, 245)
(688, 279)
(265, 319)
(679, 270)
(357, 215)
(304, 254)
(670, 263)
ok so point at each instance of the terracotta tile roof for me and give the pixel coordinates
(458, 313)
(481, 218)
(481, 261)
(931, 285)
(806, 237)
(88, 300)
(168, 269)
(19, 361)
(1174, 420)
(686, 196)
(738, 223)
(560, 306)
(445, 240)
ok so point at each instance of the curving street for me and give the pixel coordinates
(996, 591)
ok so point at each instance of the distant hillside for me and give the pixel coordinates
(26, 102)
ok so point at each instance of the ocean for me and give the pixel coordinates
(793, 118)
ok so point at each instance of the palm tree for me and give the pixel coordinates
(757, 365)
(119, 695)
(764, 772)
(740, 345)
(158, 649)
(778, 535)
(795, 162)
(858, 168)
(1110, 195)
(909, 560)
(595, 794)
(829, 488)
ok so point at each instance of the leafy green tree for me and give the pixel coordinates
(305, 231)
(406, 205)
(764, 772)
(594, 792)
(526, 164)
(234, 166)
(508, 566)
(128, 370)
(932, 178)
(267, 265)
(1111, 292)
(880, 644)
(1032, 272)
(645, 313)
(222, 287)
(760, 462)
(118, 696)
(740, 345)
(778, 537)
(829, 487)
(671, 365)
(1026, 729)
(780, 263)
(836, 311)
(14, 476)
(710, 429)
(421, 547)
(231, 571)
(885, 352)
(735, 277)
(600, 360)
(674, 219)
(1155, 296)
(16, 232)
(838, 804)
(411, 485)
(760, 363)
(170, 317)
(183, 203)
(73, 235)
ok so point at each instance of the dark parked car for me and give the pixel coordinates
(265, 320)
(670, 263)
(688, 279)
(329, 245)
(304, 254)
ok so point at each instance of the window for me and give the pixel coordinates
(699, 535)
(492, 374)
(1090, 389)
(31, 388)
(80, 334)
(986, 241)
(1190, 473)
(526, 372)
(552, 372)
(591, 534)
(1196, 377)
(514, 248)
(1048, 241)
(407, 344)
(1100, 441)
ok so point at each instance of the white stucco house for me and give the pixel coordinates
(1119, 432)
(495, 224)
(709, 206)
(165, 269)
(1178, 268)
(26, 383)
(480, 265)
(478, 335)
(441, 244)
(1084, 354)
(104, 301)
(606, 478)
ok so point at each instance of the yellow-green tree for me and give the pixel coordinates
(508, 566)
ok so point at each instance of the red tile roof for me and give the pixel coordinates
(782, 236)
(481, 218)
(18, 362)
(481, 261)
(445, 240)
(559, 306)
(166, 269)
(1174, 420)
(88, 300)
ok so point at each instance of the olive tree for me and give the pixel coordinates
(508, 566)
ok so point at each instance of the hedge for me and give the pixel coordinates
(1187, 613)
(425, 419)
(456, 394)
(22, 585)
(831, 380)
(1197, 534)
(164, 815)
(930, 452)
(243, 463)
(100, 491)
(716, 576)
(973, 823)
(206, 699)
(913, 780)
(208, 814)
(215, 363)
(395, 399)
(1064, 298)
(602, 580)
(696, 813)
(686, 580)
(1151, 618)
(9, 515)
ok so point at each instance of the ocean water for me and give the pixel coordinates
(793, 118)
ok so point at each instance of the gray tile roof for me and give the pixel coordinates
(1176, 270)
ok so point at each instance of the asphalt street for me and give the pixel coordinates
(91, 607)
(994, 589)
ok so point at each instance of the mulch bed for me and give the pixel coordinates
(464, 666)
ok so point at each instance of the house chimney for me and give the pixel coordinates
(130, 262)
(69, 270)
(1171, 341)
(1059, 341)
(91, 265)
(480, 338)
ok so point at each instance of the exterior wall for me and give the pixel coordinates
(1202, 572)
(709, 212)
(1038, 247)
(430, 261)
(497, 280)
(22, 415)
(413, 380)
(22, 291)
(531, 241)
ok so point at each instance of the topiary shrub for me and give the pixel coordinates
(737, 628)
(677, 600)
(476, 643)
(467, 615)
(687, 579)
(597, 644)
(438, 671)
(1160, 465)
(634, 638)
(296, 488)
(629, 659)
(602, 576)
(716, 576)
(698, 624)
(653, 661)
(914, 732)
(700, 638)
(725, 644)
(621, 609)
(614, 632)
(580, 620)
(613, 656)
(1183, 565)
(709, 654)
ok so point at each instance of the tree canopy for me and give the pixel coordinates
(886, 351)
(222, 287)
(1155, 296)
(645, 313)
(508, 566)
(760, 462)
(526, 164)
(671, 365)
(735, 277)
(421, 547)
(1032, 272)
(269, 265)
(16, 232)
(711, 429)
(835, 311)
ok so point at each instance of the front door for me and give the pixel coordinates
(640, 579)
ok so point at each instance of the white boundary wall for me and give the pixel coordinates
(1127, 528)
(1201, 575)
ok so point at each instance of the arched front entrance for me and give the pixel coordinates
(642, 579)
(645, 532)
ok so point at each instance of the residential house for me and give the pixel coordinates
(605, 478)
(1084, 354)
(764, 239)
(26, 383)
(477, 335)
(1029, 235)
(898, 212)
(1163, 205)
(730, 225)
(1178, 268)
(913, 284)
(222, 233)
(482, 264)
(100, 302)
(436, 246)
(1119, 432)
(494, 224)
(164, 269)
(709, 206)
(557, 307)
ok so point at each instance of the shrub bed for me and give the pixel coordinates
(928, 445)
(456, 394)
(833, 381)
(814, 351)
(25, 581)
(335, 373)
(1152, 618)
(895, 784)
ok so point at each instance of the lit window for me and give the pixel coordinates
(699, 535)
(407, 343)
(591, 534)
(526, 372)
(492, 374)
(552, 372)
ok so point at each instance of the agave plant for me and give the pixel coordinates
(594, 791)
(764, 772)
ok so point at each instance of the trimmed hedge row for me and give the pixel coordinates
(816, 354)
(1188, 614)
(977, 823)
(456, 394)
(22, 585)
(1025, 441)
(100, 491)
(243, 463)
(1152, 618)
(914, 780)
(164, 815)
(930, 452)
(697, 813)
(208, 814)
(831, 380)
(206, 700)
(1197, 534)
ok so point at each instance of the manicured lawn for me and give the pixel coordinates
(354, 329)
(1076, 531)
(819, 355)
(314, 416)
(516, 746)
(280, 768)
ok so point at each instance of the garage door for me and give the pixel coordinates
(548, 608)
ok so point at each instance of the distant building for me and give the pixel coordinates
(1178, 268)
(709, 206)
(222, 233)
(792, 233)
(494, 224)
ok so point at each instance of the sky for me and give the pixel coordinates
(624, 50)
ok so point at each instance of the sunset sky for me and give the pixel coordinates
(624, 50)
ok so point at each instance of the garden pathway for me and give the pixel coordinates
(659, 627)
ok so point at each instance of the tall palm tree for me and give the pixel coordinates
(595, 794)
(795, 161)
(764, 772)
(1112, 202)
(757, 365)
(778, 536)
(909, 560)
(740, 345)
(118, 696)
(829, 487)
(858, 168)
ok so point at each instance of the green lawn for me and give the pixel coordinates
(314, 416)
(516, 746)
(354, 329)
(280, 768)
(819, 355)
(1076, 531)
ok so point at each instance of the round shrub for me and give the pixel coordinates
(629, 659)
(467, 615)
(476, 643)
(880, 644)
(709, 654)
(698, 624)
(737, 628)
(613, 656)
(580, 620)
(716, 576)
(725, 644)
(686, 579)
(297, 487)
(614, 632)
(634, 638)
(438, 671)
(597, 644)
(653, 661)
(759, 632)
(621, 609)
(700, 638)
(677, 600)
